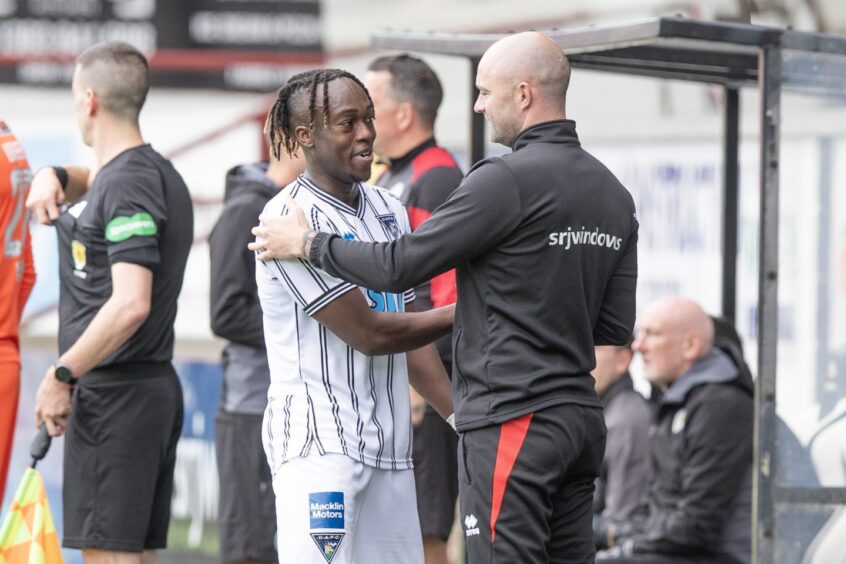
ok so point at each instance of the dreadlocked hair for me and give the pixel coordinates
(278, 122)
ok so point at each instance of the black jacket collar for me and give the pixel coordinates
(558, 131)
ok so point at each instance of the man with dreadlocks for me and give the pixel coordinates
(337, 428)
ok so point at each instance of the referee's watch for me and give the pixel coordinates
(63, 374)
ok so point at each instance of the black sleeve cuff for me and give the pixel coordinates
(320, 240)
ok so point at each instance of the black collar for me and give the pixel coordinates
(558, 131)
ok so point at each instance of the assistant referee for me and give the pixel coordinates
(545, 244)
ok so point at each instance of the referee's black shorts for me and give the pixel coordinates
(526, 487)
(120, 452)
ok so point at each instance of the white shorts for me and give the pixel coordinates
(333, 509)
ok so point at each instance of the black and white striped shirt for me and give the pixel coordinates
(324, 395)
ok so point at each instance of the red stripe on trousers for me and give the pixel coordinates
(511, 436)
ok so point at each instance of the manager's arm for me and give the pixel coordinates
(481, 212)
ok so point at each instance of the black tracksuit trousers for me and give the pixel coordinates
(526, 487)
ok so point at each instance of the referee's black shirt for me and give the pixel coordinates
(545, 244)
(138, 210)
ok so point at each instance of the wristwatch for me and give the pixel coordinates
(63, 374)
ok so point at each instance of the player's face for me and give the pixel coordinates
(81, 105)
(496, 101)
(385, 105)
(343, 148)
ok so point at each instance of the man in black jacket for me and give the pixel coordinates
(544, 242)
(246, 514)
(700, 444)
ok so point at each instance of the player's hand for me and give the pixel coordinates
(53, 404)
(282, 237)
(45, 196)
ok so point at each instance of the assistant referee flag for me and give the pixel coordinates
(28, 535)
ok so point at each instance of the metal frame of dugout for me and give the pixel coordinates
(731, 55)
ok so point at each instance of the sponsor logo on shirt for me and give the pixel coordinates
(470, 523)
(389, 222)
(571, 238)
(123, 227)
(328, 544)
(326, 510)
(349, 236)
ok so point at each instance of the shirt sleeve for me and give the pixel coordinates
(133, 215)
(312, 288)
(481, 212)
(617, 313)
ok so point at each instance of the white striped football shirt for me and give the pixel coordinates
(324, 395)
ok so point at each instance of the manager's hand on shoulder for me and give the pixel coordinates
(45, 196)
(282, 237)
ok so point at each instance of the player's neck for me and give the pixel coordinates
(113, 138)
(344, 191)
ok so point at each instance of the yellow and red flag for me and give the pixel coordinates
(28, 535)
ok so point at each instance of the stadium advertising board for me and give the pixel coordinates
(251, 45)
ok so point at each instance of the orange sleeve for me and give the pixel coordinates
(28, 279)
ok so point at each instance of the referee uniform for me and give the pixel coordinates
(544, 242)
(120, 444)
(337, 428)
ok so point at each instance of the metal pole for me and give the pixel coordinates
(730, 202)
(826, 399)
(476, 149)
(763, 523)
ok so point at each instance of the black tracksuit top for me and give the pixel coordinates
(544, 241)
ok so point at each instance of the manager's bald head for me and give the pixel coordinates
(522, 81)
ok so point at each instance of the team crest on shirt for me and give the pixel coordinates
(679, 421)
(328, 544)
(389, 222)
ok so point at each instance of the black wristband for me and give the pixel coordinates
(62, 175)
(314, 250)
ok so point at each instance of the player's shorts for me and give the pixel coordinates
(435, 474)
(526, 487)
(120, 452)
(246, 508)
(333, 509)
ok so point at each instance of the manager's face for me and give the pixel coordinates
(497, 101)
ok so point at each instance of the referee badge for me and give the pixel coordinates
(78, 253)
(389, 222)
(679, 421)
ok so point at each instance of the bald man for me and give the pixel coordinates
(544, 242)
(700, 445)
(123, 239)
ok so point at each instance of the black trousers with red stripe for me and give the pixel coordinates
(526, 487)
